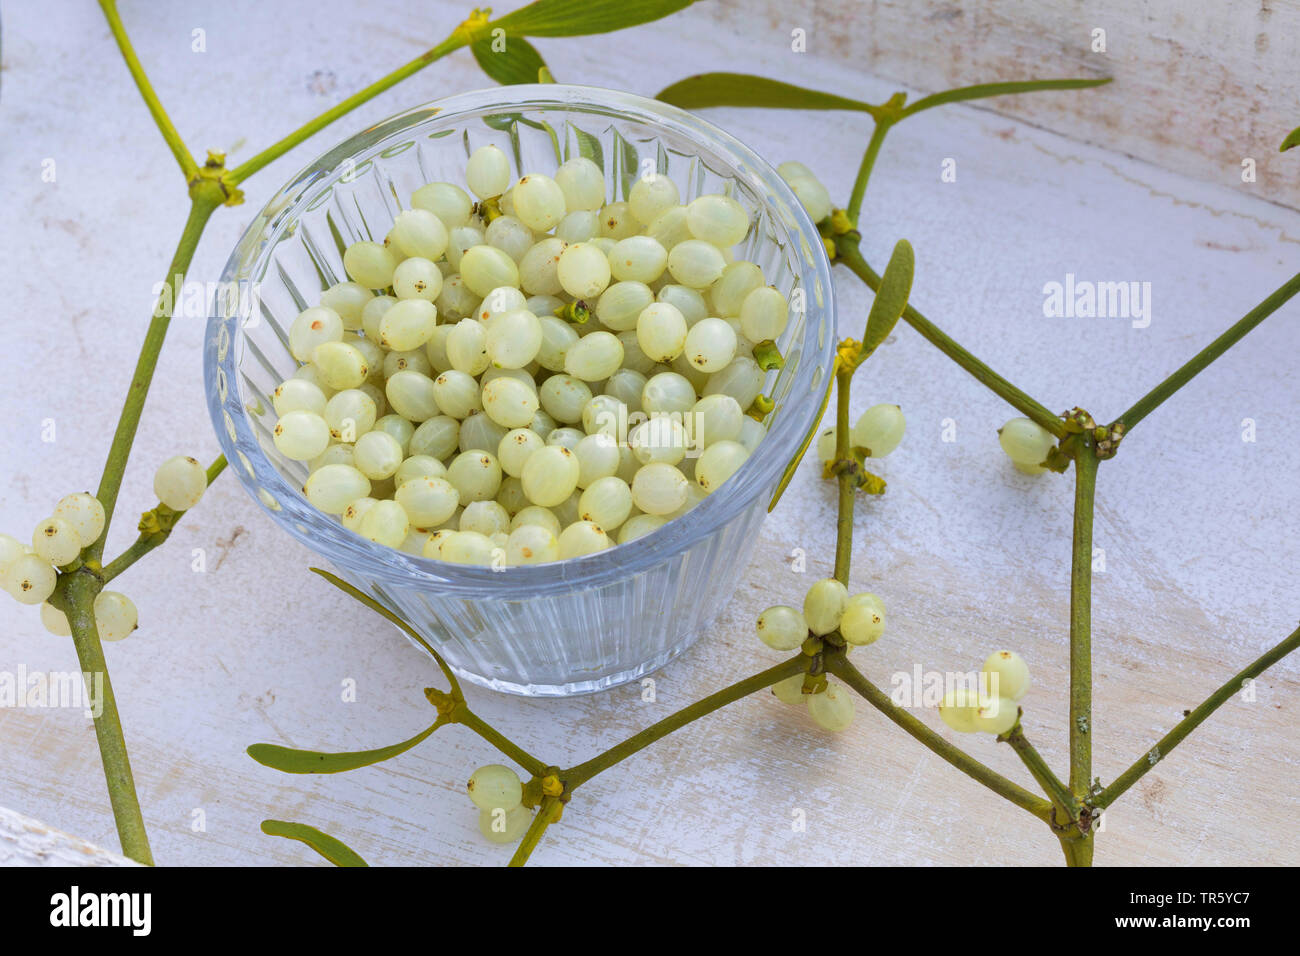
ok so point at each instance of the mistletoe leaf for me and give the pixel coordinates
(334, 850)
(572, 18)
(891, 297)
(743, 89)
(517, 62)
(289, 760)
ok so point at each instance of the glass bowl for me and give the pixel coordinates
(543, 630)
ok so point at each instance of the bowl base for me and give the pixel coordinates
(577, 688)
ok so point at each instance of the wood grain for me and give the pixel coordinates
(1199, 87)
(1198, 526)
(28, 842)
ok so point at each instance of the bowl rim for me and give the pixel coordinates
(322, 533)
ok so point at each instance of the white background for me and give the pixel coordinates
(1197, 525)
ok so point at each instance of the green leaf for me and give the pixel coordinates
(519, 62)
(588, 146)
(985, 90)
(336, 851)
(572, 18)
(509, 123)
(288, 760)
(891, 297)
(626, 162)
(1292, 139)
(742, 89)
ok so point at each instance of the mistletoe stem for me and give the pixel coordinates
(545, 816)
(183, 157)
(129, 421)
(1062, 799)
(378, 608)
(79, 600)
(848, 253)
(847, 487)
(147, 542)
(1077, 848)
(840, 666)
(1085, 484)
(1189, 723)
(1198, 362)
(864, 169)
(309, 129)
(500, 741)
(583, 772)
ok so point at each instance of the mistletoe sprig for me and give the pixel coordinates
(1069, 808)
(67, 573)
(827, 630)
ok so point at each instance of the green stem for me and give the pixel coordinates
(187, 163)
(583, 772)
(1062, 799)
(1152, 399)
(1189, 723)
(847, 488)
(415, 635)
(544, 817)
(984, 90)
(840, 666)
(148, 542)
(129, 421)
(275, 151)
(474, 722)
(80, 599)
(864, 169)
(1077, 848)
(1085, 485)
(849, 254)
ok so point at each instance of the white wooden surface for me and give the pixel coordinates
(28, 842)
(1199, 87)
(1198, 526)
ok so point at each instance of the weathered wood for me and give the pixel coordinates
(1198, 526)
(28, 842)
(1199, 87)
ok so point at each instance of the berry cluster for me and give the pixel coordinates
(876, 433)
(30, 574)
(829, 613)
(463, 396)
(498, 793)
(993, 707)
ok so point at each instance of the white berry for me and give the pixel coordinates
(782, 627)
(180, 482)
(1011, 673)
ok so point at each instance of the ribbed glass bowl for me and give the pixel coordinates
(543, 630)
